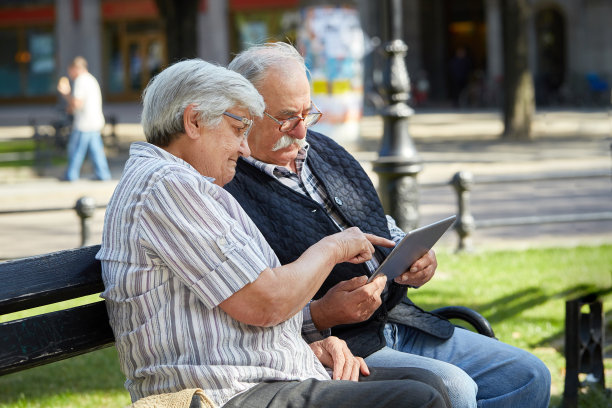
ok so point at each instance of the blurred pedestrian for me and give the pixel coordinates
(460, 70)
(84, 102)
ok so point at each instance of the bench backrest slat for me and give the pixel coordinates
(54, 336)
(42, 280)
(49, 278)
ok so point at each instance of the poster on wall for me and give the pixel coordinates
(332, 42)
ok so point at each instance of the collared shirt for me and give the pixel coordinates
(174, 247)
(305, 182)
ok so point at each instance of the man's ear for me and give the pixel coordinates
(191, 122)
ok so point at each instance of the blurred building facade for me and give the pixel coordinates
(123, 40)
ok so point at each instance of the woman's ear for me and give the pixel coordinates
(191, 122)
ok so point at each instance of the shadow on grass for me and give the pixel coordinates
(557, 339)
(509, 306)
(515, 303)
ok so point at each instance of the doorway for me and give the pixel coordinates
(144, 59)
(453, 46)
(551, 58)
(133, 57)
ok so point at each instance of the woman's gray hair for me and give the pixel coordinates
(213, 89)
(254, 62)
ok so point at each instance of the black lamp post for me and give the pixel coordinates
(398, 162)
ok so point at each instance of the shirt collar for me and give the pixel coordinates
(150, 151)
(272, 169)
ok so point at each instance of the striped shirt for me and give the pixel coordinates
(174, 246)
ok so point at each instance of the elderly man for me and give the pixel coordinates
(196, 297)
(299, 186)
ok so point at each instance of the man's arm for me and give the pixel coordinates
(348, 302)
(353, 302)
(396, 232)
(63, 87)
(310, 332)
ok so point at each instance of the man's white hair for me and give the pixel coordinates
(253, 62)
(213, 89)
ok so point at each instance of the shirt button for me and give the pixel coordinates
(338, 200)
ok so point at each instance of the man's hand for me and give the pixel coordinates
(334, 353)
(421, 271)
(63, 86)
(350, 301)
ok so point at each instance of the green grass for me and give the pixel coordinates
(522, 293)
(55, 161)
(21, 153)
(22, 145)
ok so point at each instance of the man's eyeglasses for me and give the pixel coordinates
(248, 123)
(288, 125)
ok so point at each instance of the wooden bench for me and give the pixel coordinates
(49, 337)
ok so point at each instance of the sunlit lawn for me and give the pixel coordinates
(522, 294)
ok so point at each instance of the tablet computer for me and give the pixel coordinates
(413, 246)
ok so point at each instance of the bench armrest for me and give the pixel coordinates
(468, 315)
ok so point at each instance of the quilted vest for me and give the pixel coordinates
(292, 222)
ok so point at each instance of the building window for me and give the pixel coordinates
(27, 62)
(40, 76)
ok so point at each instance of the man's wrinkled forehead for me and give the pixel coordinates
(285, 90)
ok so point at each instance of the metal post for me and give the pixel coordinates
(465, 225)
(398, 162)
(85, 207)
(114, 140)
(584, 342)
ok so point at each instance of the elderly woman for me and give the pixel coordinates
(196, 297)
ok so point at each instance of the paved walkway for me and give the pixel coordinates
(568, 142)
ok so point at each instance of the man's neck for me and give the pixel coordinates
(292, 166)
(289, 165)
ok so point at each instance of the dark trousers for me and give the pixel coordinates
(384, 387)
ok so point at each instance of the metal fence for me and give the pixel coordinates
(84, 207)
(463, 183)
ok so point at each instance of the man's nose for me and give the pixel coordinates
(298, 132)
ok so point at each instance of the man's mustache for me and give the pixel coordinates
(286, 141)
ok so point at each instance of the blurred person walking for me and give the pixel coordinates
(85, 104)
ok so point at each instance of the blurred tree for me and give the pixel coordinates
(180, 18)
(519, 101)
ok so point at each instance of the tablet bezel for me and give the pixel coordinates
(413, 246)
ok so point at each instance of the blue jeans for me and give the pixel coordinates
(478, 371)
(78, 145)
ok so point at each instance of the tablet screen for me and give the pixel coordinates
(413, 246)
